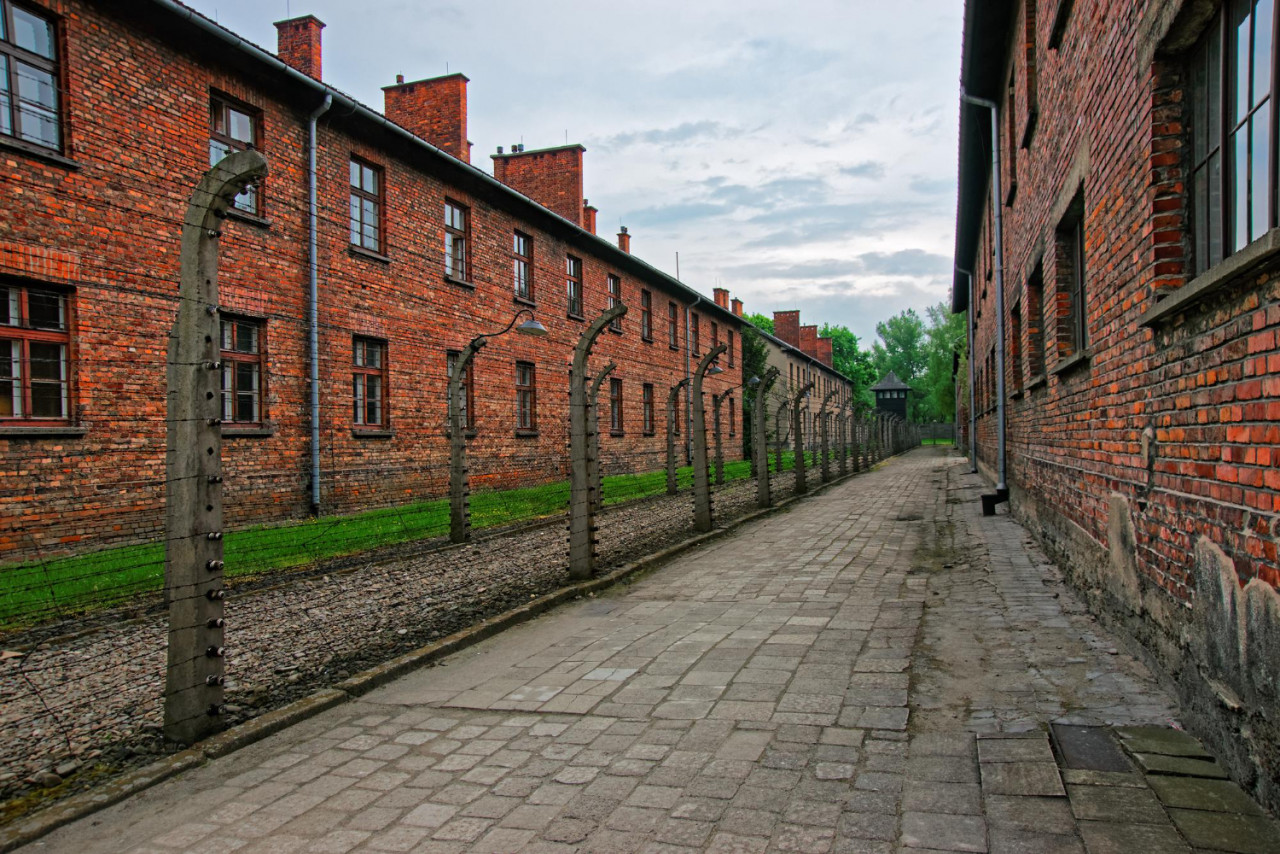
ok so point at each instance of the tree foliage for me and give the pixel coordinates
(852, 361)
(923, 357)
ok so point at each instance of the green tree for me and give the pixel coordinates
(754, 363)
(945, 342)
(852, 361)
(765, 323)
(901, 347)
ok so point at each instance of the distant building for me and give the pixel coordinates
(892, 395)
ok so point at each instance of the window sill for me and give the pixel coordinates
(673, 346)
(647, 340)
(247, 432)
(360, 252)
(1071, 363)
(372, 433)
(529, 301)
(1016, 394)
(469, 433)
(462, 283)
(1225, 273)
(614, 331)
(246, 217)
(1036, 382)
(526, 433)
(617, 433)
(649, 433)
(38, 152)
(573, 316)
(42, 431)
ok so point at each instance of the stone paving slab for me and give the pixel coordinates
(873, 670)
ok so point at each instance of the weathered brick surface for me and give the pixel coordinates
(137, 123)
(1164, 436)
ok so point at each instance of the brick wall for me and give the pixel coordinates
(138, 125)
(1141, 456)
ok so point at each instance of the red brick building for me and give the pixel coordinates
(1126, 305)
(110, 114)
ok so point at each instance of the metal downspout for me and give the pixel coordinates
(1002, 487)
(313, 310)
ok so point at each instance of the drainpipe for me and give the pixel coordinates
(973, 415)
(989, 502)
(313, 312)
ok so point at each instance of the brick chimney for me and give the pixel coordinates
(434, 109)
(624, 240)
(722, 297)
(589, 212)
(809, 340)
(552, 177)
(825, 355)
(737, 307)
(786, 326)
(298, 44)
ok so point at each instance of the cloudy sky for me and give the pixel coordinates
(800, 154)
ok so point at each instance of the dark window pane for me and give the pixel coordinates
(8, 307)
(45, 310)
(1238, 39)
(1215, 209)
(48, 380)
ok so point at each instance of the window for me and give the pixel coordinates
(1035, 322)
(35, 341)
(646, 409)
(243, 350)
(526, 396)
(733, 418)
(1232, 162)
(366, 205)
(615, 406)
(573, 273)
(457, 227)
(468, 389)
(369, 382)
(646, 315)
(715, 336)
(1072, 310)
(731, 348)
(694, 323)
(1011, 141)
(673, 326)
(235, 127)
(522, 265)
(28, 77)
(615, 298)
(1015, 345)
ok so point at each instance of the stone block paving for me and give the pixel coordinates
(873, 670)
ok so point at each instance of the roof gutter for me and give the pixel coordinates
(355, 107)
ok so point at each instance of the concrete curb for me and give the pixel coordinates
(24, 831)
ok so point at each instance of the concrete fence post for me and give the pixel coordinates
(673, 401)
(797, 435)
(843, 420)
(195, 670)
(759, 448)
(824, 424)
(582, 528)
(781, 438)
(702, 515)
(717, 456)
(459, 482)
(593, 430)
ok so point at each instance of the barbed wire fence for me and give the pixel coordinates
(202, 594)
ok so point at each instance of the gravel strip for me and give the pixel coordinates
(79, 708)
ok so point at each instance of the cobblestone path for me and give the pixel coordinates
(874, 670)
